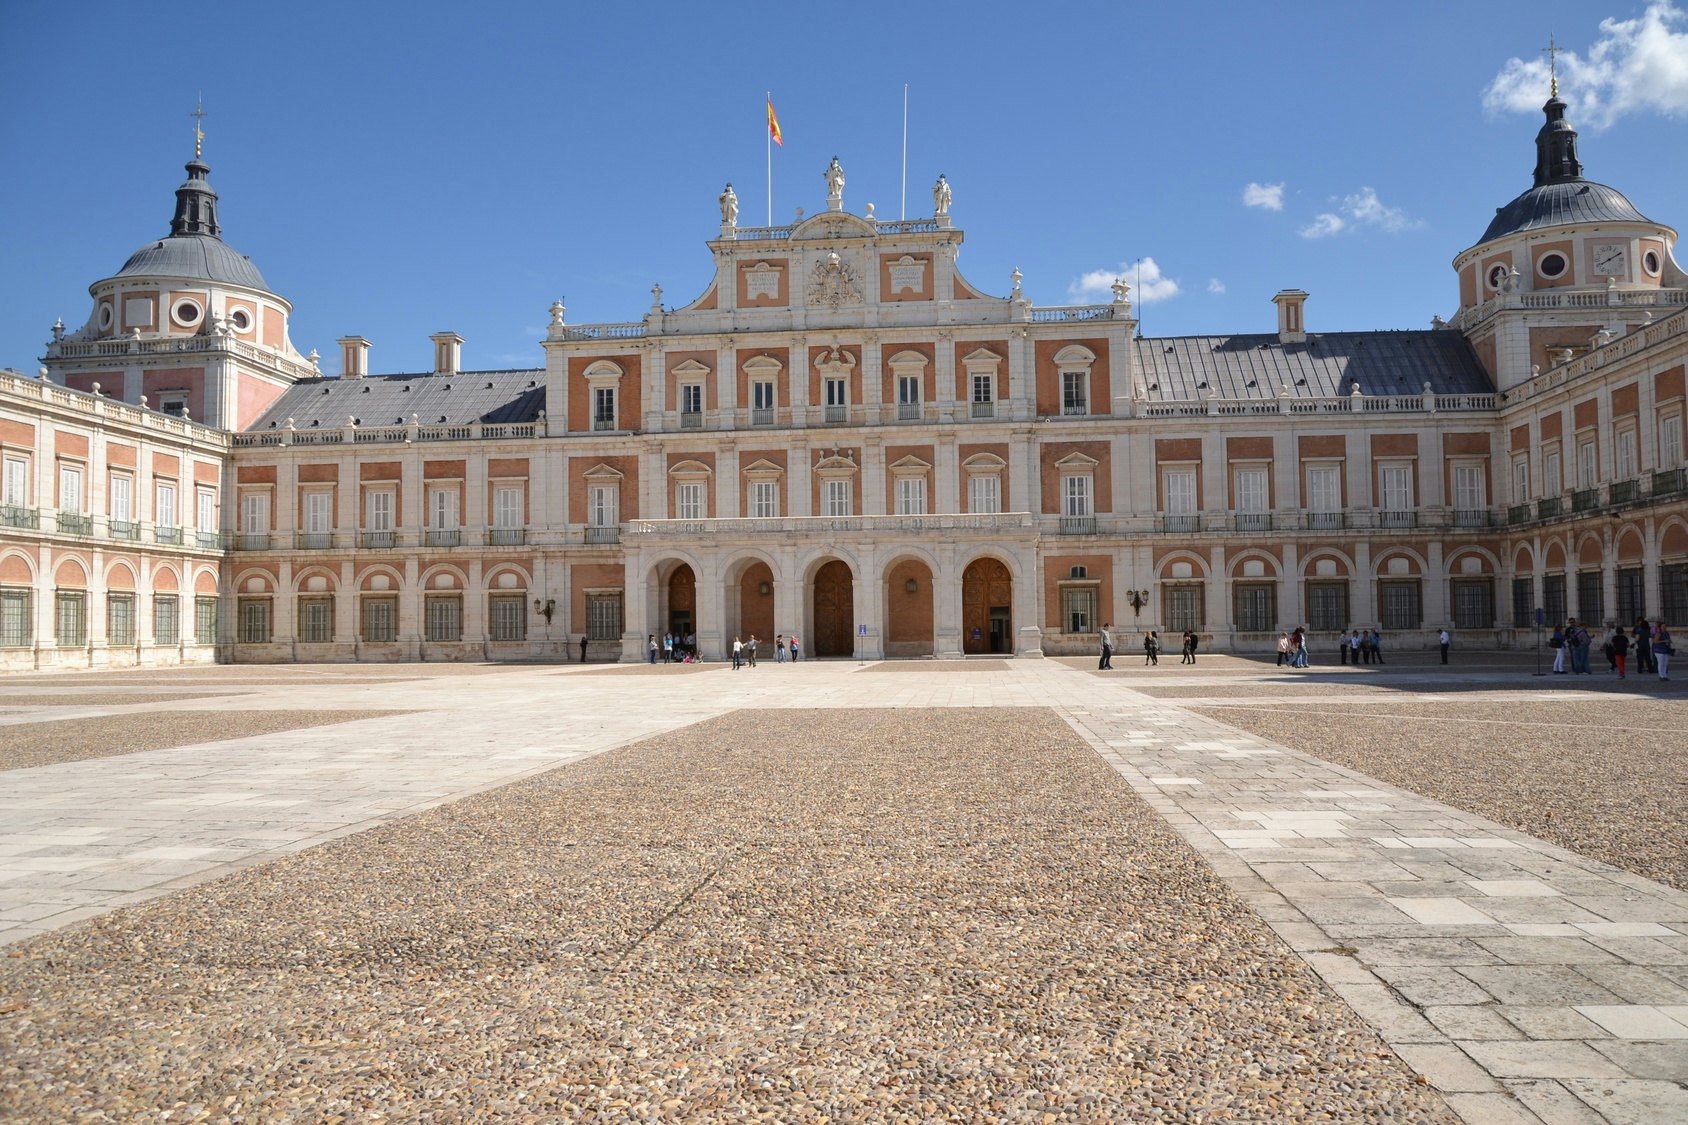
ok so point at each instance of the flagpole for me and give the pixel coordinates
(904, 207)
(768, 129)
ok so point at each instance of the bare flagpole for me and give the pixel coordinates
(904, 207)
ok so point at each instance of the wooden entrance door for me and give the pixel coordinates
(987, 600)
(835, 611)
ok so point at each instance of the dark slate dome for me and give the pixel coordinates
(1570, 201)
(1560, 194)
(193, 249)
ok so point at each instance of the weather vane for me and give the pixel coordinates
(1552, 52)
(199, 115)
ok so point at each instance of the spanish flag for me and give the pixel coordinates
(774, 125)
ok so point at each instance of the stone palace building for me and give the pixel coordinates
(843, 438)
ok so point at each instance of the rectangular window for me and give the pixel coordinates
(254, 621)
(603, 408)
(509, 618)
(1670, 441)
(601, 506)
(70, 618)
(1327, 606)
(380, 619)
(1586, 475)
(911, 496)
(319, 512)
(1078, 609)
(908, 396)
(1521, 480)
(1324, 489)
(836, 494)
(164, 505)
(1552, 480)
(205, 621)
(688, 500)
(984, 494)
(762, 403)
(1523, 603)
(1673, 592)
(380, 512)
(17, 618)
(1074, 399)
(508, 507)
(1183, 607)
(1075, 496)
(15, 492)
(166, 619)
(1251, 491)
(316, 620)
(1474, 604)
(255, 513)
(764, 499)
(1401, 605)
(1396, 487)
(1468, 488)
(1625, 451)
(443, 617)
(1257, 606)
(70, 488)
(442, 509)
(1553, 598)
(1632, 595)
(120, 619)
(207, 508)
(984, 387)
(1591, 599)
(121, 498)
(837, 397)
(1180, 485)
(603, 617)
(691, 398)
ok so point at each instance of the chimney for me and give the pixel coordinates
(448, 352)
(354, 357)
(1292, 329)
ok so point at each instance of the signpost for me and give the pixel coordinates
(1541, 619)
(861, 641)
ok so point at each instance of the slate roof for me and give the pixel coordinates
(390, 400)
(1182, 368)
(1566, 201)
(199, 257)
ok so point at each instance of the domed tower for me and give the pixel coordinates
(1562, 263)
(188, 324)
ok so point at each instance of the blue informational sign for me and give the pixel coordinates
(861, 630)
(1541, 617)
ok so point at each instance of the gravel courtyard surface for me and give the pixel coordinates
(869, 915)
(106, 736)
(1606, 778)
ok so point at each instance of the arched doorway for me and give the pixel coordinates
(908, 610)
(835, 611)
(987, 608)
(756, 604)
(682, 604)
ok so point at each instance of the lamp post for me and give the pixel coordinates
(1138, 599)
(545, 607)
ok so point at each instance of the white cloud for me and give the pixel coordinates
(1215, 286)
(1269, 197)
(1144, 276)
(1636, 66)
(1362, 209)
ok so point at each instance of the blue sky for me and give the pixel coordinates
(402, 169)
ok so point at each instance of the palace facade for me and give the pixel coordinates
(844, 438)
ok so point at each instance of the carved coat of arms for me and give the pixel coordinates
(832, 284)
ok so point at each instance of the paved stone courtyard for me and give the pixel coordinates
(809, 893)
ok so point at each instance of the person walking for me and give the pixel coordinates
(738, 654)
(1620, 650)
(1377, 645)
(1577, 636)
(1107, 660)
(1151, 649)
(1442, 640)
(1194, 644)
(1557, 643)
(750, 649)
(1662, 649)
(1643, 646)
(1283, 648)
(779, 648)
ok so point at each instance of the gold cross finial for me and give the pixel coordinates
(199, 115)
(1552, 52)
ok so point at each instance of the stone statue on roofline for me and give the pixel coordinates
(941, 196)
(834, 186)
(729, 207)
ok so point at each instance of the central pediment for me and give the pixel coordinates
(833, 224)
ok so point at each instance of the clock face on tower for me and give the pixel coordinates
(1610, 259)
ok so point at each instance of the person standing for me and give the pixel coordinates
(1151, 649)
(779, 648)
(1107, 638)
(750, 649)
(583, 648)
(650, 640)
(1643, 645)
(738, 654)
(1377, 645)
(1283, 648)
(1354, 647)
(1442, 640)
(668, 648)
(796, 647)
(1662, 649)
(1342, 647)
(1620, 650)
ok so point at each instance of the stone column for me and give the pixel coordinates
(1290, 600)
(946, 602)
(1364, 611)
(1217, 592)
(1437, 579)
